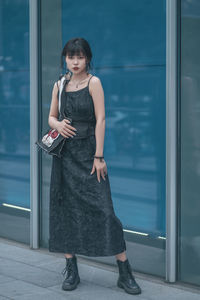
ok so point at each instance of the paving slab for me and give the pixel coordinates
(27, 274)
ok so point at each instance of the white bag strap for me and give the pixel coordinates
(62, 81)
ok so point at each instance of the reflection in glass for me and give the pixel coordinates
(14, 120)
(190, 143)
(129, 58)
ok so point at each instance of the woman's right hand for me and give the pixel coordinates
(65, 129)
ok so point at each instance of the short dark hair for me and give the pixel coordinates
(76, 46)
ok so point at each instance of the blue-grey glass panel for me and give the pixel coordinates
(14, 37)
(15, 133)
(189, 234)
(135, 145)
(120, 32)
(14, 120)
(129, 58)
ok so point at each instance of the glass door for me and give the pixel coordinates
(14, 121)
(189, 212)
(129, 56)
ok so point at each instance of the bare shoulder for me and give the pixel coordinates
(95, 80)
(95, 84)
(57, 83)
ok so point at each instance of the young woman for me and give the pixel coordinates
(82, 218)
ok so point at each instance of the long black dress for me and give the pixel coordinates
(81, 218)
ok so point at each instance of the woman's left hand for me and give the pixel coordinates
(100, 167)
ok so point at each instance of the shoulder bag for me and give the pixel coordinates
(52, 142)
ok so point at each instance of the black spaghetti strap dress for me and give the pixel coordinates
(81, 214)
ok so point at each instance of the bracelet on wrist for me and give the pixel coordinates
(99, 157)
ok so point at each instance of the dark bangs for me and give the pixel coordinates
(74, 50)
(76, 46)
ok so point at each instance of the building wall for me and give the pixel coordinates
(189, 107)
(14, 120)
(128, 44)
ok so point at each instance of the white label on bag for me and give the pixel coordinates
(50, 137)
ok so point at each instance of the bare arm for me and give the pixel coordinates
(63, 127)
(99, 106)
(53, 113)
(97, 94)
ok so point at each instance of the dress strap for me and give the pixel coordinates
(89, 79)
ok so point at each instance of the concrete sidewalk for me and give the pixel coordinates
(36, 274)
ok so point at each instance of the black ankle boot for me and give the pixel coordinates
(72, 277)
(126, 280)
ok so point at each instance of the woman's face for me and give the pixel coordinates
(76, 63)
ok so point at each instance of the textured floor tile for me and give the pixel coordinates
(46, 295)
(54, 266)
(24, 255)
(154, 291)
(29, 273)
(190, 296)
(18, 288)
(4, 278)
(86, 272)
(97, 275)
(51, 264)
(4, 298)
(89, 291)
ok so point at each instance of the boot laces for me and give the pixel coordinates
(68, 268)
